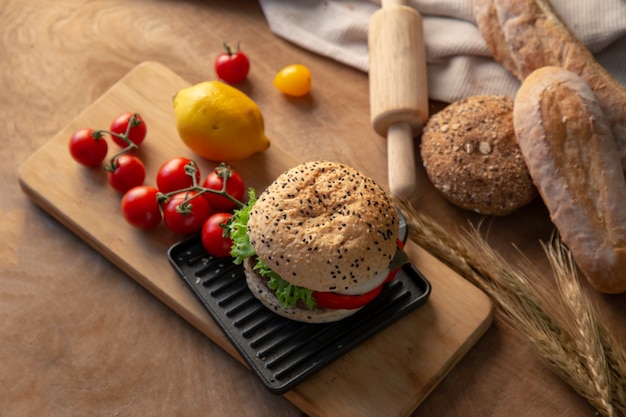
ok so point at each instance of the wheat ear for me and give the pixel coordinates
(563, 331)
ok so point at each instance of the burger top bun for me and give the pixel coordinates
(324, 226)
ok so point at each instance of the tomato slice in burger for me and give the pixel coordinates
(344, 302)
(350, 302)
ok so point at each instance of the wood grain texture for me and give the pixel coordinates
(77, 333)
(456, 316)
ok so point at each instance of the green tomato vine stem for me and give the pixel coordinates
(229, 50)
(98, 134)
(190, 169)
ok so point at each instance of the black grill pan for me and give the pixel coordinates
(283, 352)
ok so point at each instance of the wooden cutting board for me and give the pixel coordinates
(390, 374)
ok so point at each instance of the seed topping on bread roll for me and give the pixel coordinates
(324, 226)
(471, 156)
(525, 35)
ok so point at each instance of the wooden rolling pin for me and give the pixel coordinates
(398, 88)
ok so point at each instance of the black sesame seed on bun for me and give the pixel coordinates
(324, 226)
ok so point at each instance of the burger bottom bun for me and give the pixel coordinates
(268, 299)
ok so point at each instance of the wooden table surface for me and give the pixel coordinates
(78, 337)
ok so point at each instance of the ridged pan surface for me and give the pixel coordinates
(283, 352)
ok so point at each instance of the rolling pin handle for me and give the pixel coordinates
(392, 3)
(401, 165)
(398, 88)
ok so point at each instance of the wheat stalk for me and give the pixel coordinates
(563, 331)
(616, 362)
(585, 329)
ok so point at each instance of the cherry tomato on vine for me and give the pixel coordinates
(235, 187)
(294, 80)
(232, 66)
(185, 218)
(140, 207)
(127, 172)
(173, 176)
(136, 133)
(213, 238)
(87, 149)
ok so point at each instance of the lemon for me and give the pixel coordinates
(219, 122)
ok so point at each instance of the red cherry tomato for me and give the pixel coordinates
(232, 66)
(128, 172)
(136, 132)
(173, 176)
(185, 218)
(213, 238)
(88, 149)
(235, 187)
(140, 207)
(342, 301)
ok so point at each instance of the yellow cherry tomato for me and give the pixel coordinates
(294, 80)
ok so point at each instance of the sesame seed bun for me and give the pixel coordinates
(324, 226)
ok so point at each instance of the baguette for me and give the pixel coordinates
(571, 156)
(524, 35)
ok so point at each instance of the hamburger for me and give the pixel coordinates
(319, 243)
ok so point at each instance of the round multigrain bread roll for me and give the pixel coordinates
(471, 155)
(324, 226)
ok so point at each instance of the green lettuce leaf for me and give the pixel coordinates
(238, 232)
(288, 294)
